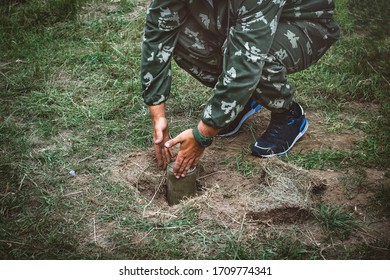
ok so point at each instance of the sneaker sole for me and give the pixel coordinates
(244, 118)
(289, 148)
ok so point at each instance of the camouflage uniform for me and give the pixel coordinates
(241, 48)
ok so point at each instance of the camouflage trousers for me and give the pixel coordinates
(287, 55)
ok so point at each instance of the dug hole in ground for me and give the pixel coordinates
(276, 194)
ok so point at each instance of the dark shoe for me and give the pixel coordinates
(282, 133)
(250, 108)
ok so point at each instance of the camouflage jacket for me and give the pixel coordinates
(252, 25)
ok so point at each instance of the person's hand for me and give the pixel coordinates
(188, 155)
(160, 137)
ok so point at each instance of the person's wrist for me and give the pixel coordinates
(157, 112)
(202, 140)
(207, 130)
(157, 119)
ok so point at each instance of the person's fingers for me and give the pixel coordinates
(182, 166)
(171, 153)
(188, 166)
(159, 156)
(177, 166)
(173, 142)
(166, 157)
(158, 136)
(188, 155)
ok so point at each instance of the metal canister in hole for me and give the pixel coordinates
(178, 189)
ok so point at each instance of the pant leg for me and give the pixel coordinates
(296, 46)
(199, 53)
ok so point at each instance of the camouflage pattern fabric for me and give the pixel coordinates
(241, 48)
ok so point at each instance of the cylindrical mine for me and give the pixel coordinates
(181, 188)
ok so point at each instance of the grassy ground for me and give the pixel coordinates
(70, 100)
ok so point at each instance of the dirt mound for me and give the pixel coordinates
(279, 193)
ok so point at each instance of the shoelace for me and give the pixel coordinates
(276, 126)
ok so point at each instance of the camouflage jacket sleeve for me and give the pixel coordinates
(163, 22)
(247, 45)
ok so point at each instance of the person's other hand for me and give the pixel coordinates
(160, 137)
(188, 155)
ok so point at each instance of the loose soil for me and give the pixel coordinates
(276, 193)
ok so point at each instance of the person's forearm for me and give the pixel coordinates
(207, 130)
(157, 111)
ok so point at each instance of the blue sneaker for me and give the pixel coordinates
(250, 108)
(282, 133)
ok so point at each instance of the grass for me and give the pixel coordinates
(336, 221)
(381, 200)
(320, 159)
(69, 100)
(239, 161)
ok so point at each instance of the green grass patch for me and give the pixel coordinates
(240, 162)
(336, 221)
(320, 159)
